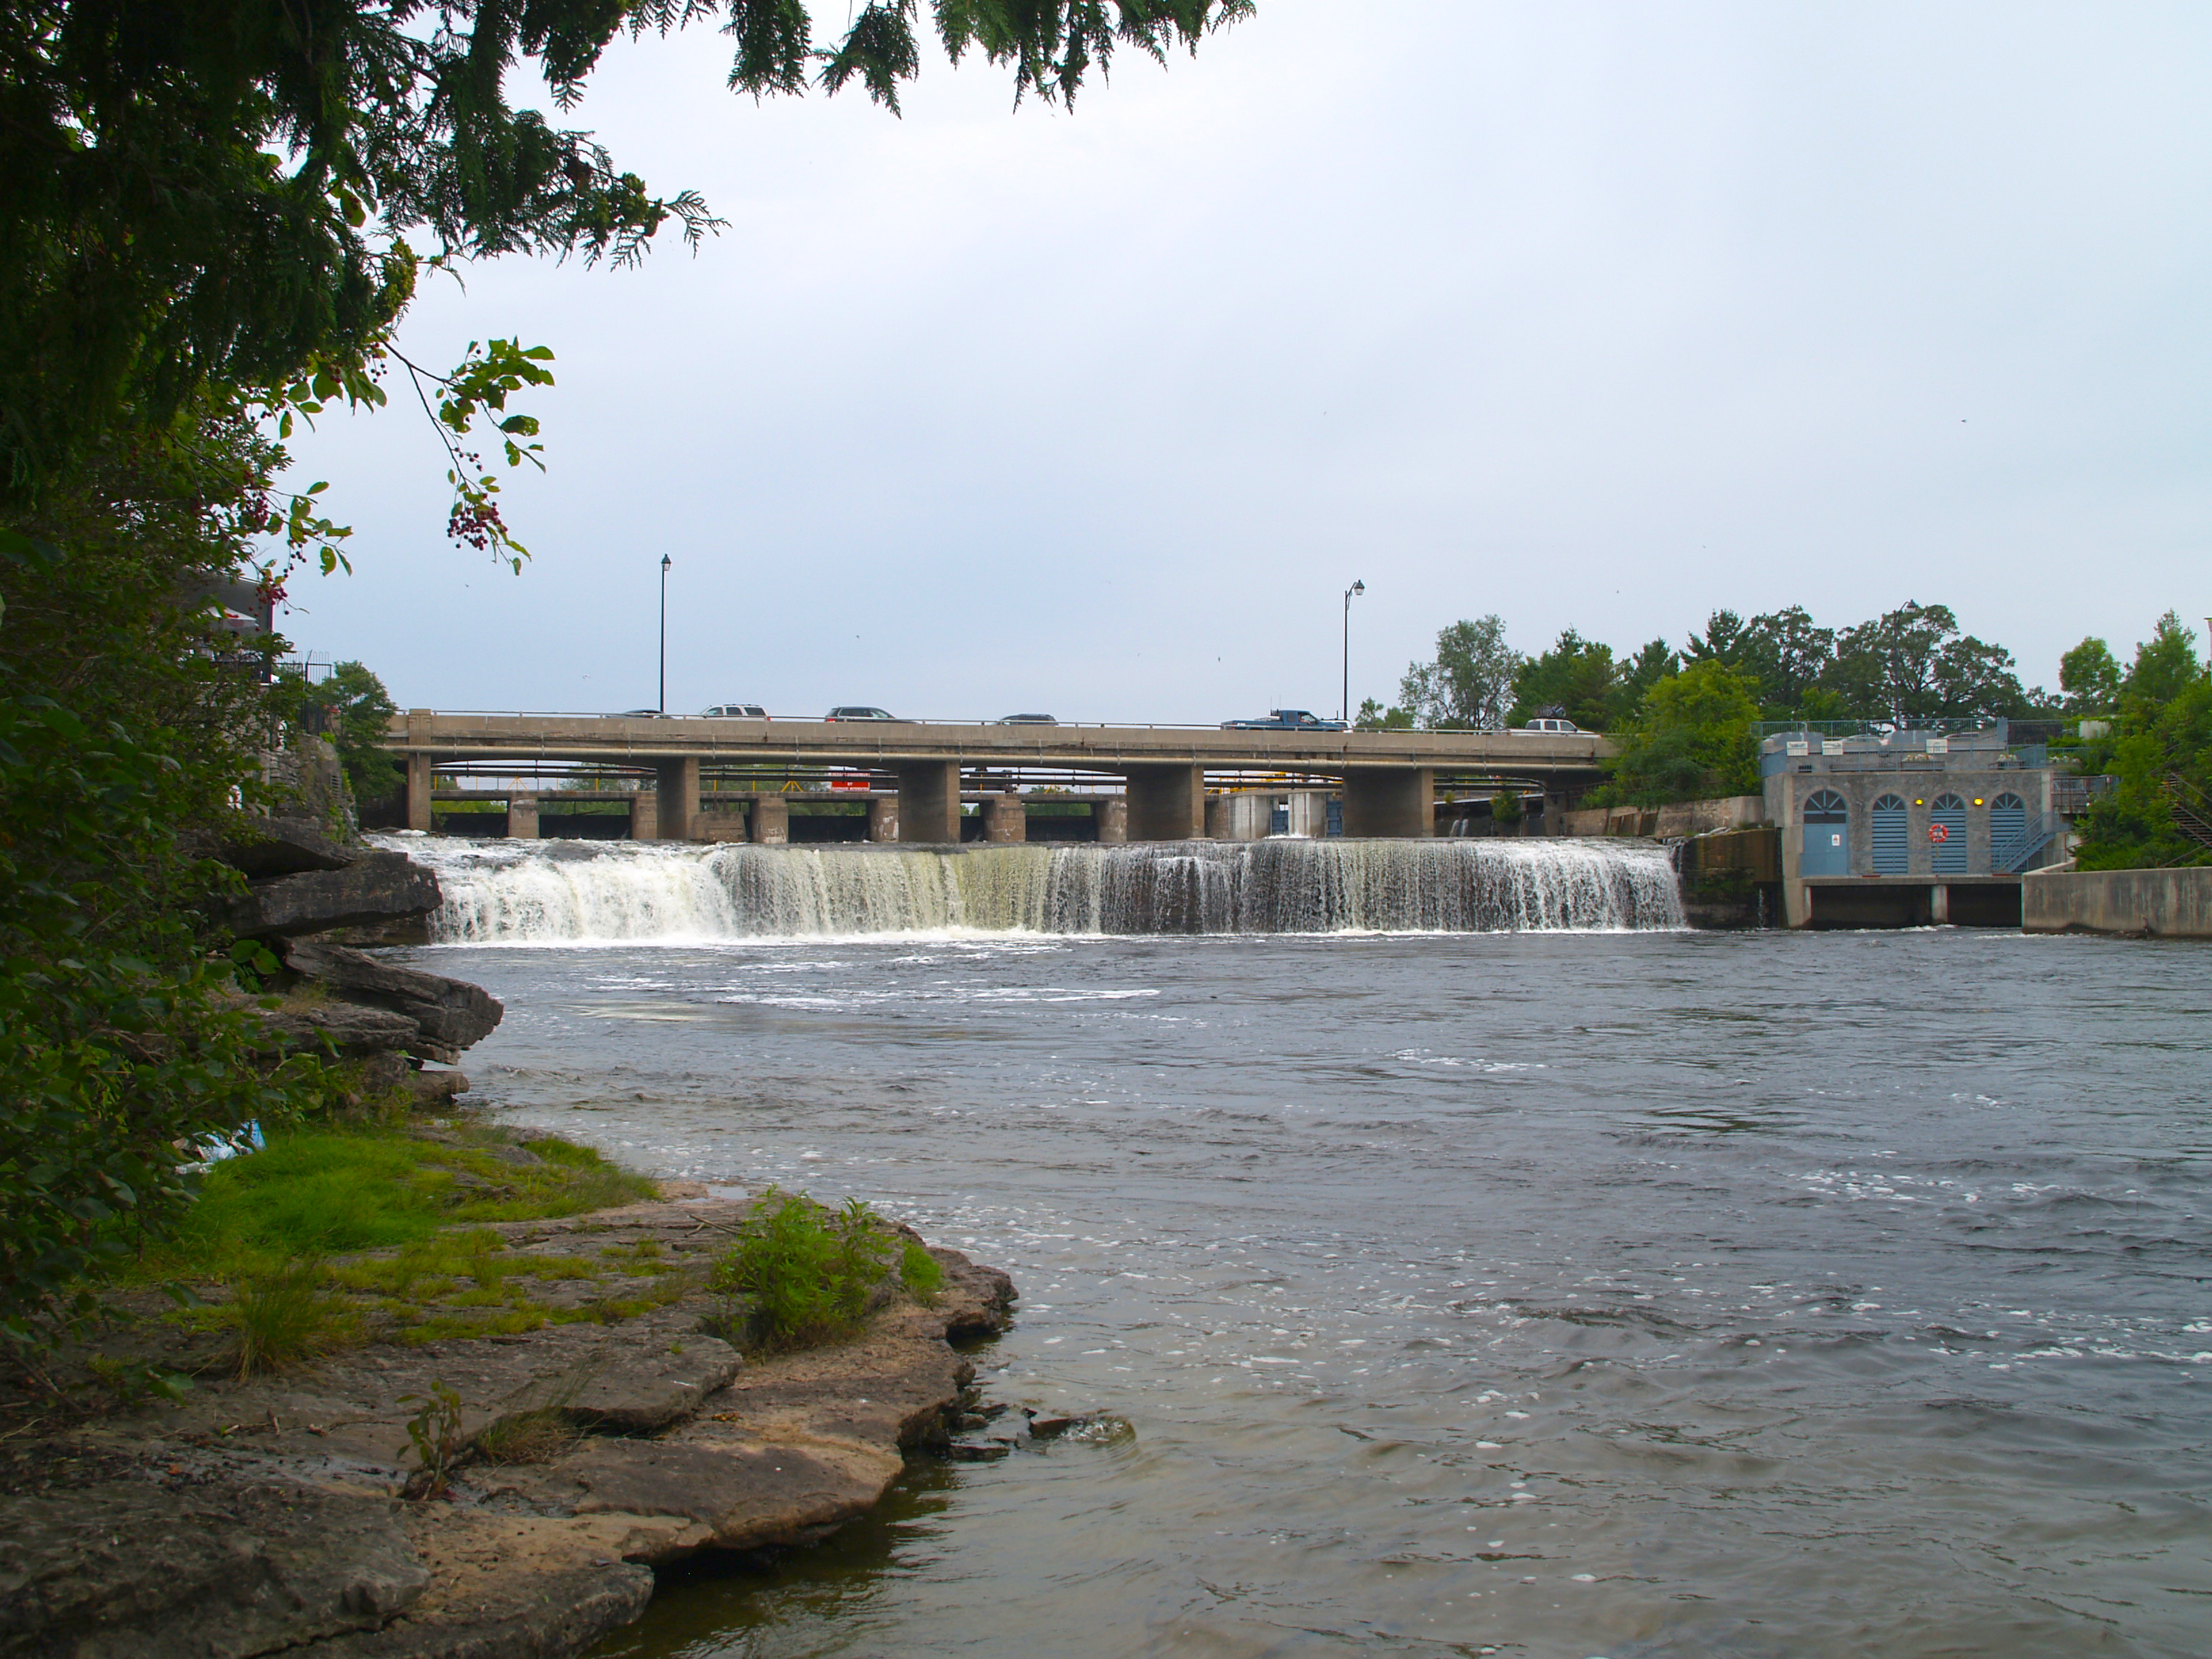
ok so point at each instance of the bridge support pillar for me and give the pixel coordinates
(1005, 818)
(421, 774)
(929, 802)
(1392, 801)
(883, 820)
(678, 790)
(770, 821)
(1167, 803)
(522, 816)
(1112, 818)
(645, 816)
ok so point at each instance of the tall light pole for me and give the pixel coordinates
(1344, 709)
(663, 633)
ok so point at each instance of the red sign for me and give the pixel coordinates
(1939, 832)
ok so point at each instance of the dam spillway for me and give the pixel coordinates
(562, 892)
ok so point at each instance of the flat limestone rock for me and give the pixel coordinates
(641, 1390)
(352, 1030)
(507, 1587)
(131, 1570)
(378, 886)
(264, 1515)
(744, 1496)
(286, 845)
(449, 1014)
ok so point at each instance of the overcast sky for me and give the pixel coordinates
(1599, 315)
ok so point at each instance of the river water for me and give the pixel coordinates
(1540, 1292)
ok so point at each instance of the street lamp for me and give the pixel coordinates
(1344, 709)
(663, 633)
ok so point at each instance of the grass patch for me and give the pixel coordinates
(322, 1191)
(280, 1316)
(802, 1274)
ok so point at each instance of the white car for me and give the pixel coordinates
(1548, 726)
(734, 711)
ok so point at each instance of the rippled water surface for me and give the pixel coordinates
(1573, 1295)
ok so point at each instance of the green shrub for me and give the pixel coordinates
(802, 1274)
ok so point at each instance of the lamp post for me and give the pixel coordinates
(664, 634)
(1344, 709)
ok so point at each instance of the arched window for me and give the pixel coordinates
(1827, 847)
(1825, 806)
(1946, 835)
(1893, 853)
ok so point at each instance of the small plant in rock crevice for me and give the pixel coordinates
(436, 1432)
(803, 1274)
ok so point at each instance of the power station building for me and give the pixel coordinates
(1903, 827)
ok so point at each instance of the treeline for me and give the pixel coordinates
(2156, 746)
(1914, 663)
(1683, 720)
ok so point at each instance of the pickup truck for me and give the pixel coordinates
(1284, 720)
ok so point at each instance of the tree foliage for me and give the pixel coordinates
(1467, 686)
(2090, 677)
(1691, 739)
(2159, 758)
(351, 709)
(213, 216)
(1578, 678)
(127, 720)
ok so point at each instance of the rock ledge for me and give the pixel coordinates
(271, 1515)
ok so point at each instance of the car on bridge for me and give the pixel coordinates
(1540, 727)
(853, 711)
(1026, 720)
(734, 711)
(1284, 720)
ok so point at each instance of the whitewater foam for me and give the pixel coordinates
(548, 892)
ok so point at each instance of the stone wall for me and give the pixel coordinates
(2162, 903)
(1678, 822)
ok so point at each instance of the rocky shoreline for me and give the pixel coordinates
(276, 1513)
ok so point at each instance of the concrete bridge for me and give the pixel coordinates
(1388, 780)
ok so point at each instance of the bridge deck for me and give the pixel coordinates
(1561, 757)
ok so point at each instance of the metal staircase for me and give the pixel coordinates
(2191, 810)
(2011, 856)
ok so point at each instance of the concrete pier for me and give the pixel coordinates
(421, 774)
(883, 820)
(1005, 819)
(1390, 801)
(929, 802)
(1166, 803)
(771, 821)
(678, 790)
(645, 816)
(1112, 817)
(522, 816)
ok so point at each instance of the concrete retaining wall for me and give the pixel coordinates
(2166, 904)
(1694, 817)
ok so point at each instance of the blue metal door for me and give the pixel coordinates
(1827, 849)
(1892, 853)
(1947, 836)
(2007, 832)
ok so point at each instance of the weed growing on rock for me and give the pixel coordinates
(802, 1274)
(435, 1430)
(279, 1317)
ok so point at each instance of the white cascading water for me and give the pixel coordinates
(553, 891)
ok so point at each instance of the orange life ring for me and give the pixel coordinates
(1939, 832)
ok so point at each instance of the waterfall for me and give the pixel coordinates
(537, 892)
